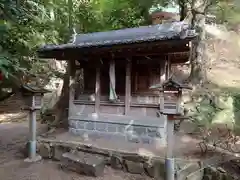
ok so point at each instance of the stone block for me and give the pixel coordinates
(84, 163)
(96, 134)
(149, 169)
(118, 137)
(112, 128)
(207, 177)
(154, 132)
(191, 171)
(116, 162)
(140, 130)
(81, 124)
(45, 150)
(72, 123)
(121, 128)
(133, 138)
(213, 172)
(146, 140)
(134, 167)
(158, 169)
(90, 126)
(101, 126)
(58, 151)
(73, 131)
(80, 132)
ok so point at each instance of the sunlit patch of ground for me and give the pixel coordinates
(13, 117)
(227, 76)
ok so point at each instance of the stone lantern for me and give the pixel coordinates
(170, 107)
(32, 96)
(171, 97)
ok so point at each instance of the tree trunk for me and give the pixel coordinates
(198, 57)
(63, 102)
(183, 9)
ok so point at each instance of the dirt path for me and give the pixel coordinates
(12, 167)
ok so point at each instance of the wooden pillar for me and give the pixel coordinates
(78, 73)
(71, 85)
(163, 71)
(112, 78)
(168, 67)
(128, 86)
(97, 90)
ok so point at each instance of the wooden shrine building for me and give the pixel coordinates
(113, 72)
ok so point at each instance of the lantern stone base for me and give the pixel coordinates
(32, 160)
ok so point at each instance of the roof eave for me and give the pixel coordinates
(43, 51)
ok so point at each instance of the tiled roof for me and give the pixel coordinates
(167, 31)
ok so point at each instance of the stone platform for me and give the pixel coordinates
(131, 157)
(137, 158)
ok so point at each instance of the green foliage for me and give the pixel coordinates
(203, 112)
(26, 25)
(236, 105)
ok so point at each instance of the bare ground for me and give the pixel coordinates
(12, 167)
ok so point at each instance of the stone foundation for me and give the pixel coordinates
(147, 132)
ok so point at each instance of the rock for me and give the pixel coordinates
(220, 169)
(191, 171)
(149, 169)
(207, 177)
(134, 167)
(45, 150)
(214, 173)
(58, 152)
(211, 173)
(159, 169)
(116, 162)
(84, 163)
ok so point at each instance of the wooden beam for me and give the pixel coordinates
(97, 90)
(130, 52)
(140, 49)
(128, 87)
(138, 46)
(148, 59)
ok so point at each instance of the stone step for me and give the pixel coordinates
(133, 158)
(84, 163)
